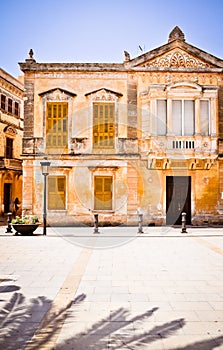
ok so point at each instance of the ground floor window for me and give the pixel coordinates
(56, 192)
(103, 192)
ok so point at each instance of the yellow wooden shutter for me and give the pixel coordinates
(56, 125)
(103, 192)
(103, 125)
(56, 192)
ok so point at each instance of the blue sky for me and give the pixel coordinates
(99, 31)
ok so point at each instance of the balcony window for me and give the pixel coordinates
(161, 117)
(183, 117)
(204, 117)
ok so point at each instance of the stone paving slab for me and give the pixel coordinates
(115, 290)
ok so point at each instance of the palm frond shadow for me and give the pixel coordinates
(20, 320)
(120, 333)
(32, 324)
(116, 332)
(17, 322)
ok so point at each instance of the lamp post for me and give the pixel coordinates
(45, 171)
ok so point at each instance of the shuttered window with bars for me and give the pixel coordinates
(56, 192)
(103, 125)
(56, 125)
(103, 193)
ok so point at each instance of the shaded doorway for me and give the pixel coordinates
(178, 199)
(7, 197)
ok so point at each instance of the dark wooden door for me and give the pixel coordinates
(7, 197)
(178, 199)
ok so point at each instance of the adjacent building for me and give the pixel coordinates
(142, 136)
(11, 128)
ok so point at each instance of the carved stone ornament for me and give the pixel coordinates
(103, 95)
(9, 130)
(177, 59)
(176, 34)
(57, 95)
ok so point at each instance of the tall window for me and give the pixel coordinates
(16, 109)
(183, 117)
(3, 102)
(161, 117)
(56, 125)
(204, 117)
(56, 192)
(9, 148)
(103, 125)
(103, 192)
(10, 105)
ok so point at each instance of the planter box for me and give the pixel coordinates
(25, 229)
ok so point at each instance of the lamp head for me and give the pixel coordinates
(45, 164)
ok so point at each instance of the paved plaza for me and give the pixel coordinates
(118, 289)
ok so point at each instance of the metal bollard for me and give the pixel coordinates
(96, 223)
(140, 229)
(184, 229)
(9, 220)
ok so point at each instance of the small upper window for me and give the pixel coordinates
(3, 102)
(16, 109)
(10, 105)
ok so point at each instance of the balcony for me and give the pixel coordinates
(186, 147)
(11, 164)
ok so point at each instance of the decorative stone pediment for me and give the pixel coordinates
(176, 58)
(10, 130)
(103, 95)
(57, 94)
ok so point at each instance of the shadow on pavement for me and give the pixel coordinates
(30, 325)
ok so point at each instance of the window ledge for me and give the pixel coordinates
(102, 211)
(57, 211)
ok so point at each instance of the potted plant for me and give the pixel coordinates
(25, 225)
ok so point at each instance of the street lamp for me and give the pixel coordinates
(45, 171)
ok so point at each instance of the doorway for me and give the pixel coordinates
(178, 199)
(7, 197)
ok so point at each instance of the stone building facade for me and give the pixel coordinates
(11, 128)
(143, 136)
